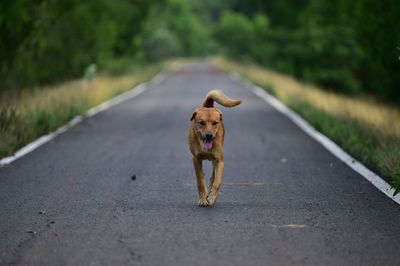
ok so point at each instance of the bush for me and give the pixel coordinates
(235, 32)
(172, 29)
(241, 36)
(161, 45)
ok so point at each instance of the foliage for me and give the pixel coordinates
(346, 46)
(46, 41)
(172, 29)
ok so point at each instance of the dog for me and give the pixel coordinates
(206, 140)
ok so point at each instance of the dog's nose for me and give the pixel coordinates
(209, 136)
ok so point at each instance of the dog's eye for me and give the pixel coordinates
(202, 123)
(215, 123)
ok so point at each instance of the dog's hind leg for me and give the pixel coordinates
(214, 188)
(201, 183)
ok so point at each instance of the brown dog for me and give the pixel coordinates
(206, 140)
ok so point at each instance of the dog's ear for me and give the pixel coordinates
(193, 116)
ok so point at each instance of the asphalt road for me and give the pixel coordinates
(285, 199)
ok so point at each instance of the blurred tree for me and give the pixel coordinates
(347, 46)
(376, 28)
(236, 33)
(45, 41)
(176, 29)
(283, 14)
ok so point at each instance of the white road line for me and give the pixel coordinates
(158, 79)
(95, 110)
(331, 146)
(289, 225)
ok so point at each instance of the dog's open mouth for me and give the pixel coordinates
(207, 144)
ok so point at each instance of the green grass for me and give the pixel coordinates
(368, 130)
(29, 114)
(380, 155)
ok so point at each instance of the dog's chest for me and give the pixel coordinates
(205, 156)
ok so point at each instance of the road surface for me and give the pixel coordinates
(285, 199)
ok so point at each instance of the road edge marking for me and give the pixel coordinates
(327, 143)
(130, 94)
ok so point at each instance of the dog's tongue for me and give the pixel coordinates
(208, 144)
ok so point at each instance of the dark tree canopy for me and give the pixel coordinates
(346, 46)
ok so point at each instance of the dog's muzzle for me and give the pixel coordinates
(208, 141)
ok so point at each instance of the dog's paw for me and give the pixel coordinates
(212, 199)
(203, 202)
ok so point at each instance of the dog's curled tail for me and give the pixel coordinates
(219, 97)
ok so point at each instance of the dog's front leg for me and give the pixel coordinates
(201, 183)
(218, 168)
(212, 178)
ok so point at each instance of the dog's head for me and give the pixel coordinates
(206, 123)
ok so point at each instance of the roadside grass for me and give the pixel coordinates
(367, 129)
(28, 114)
